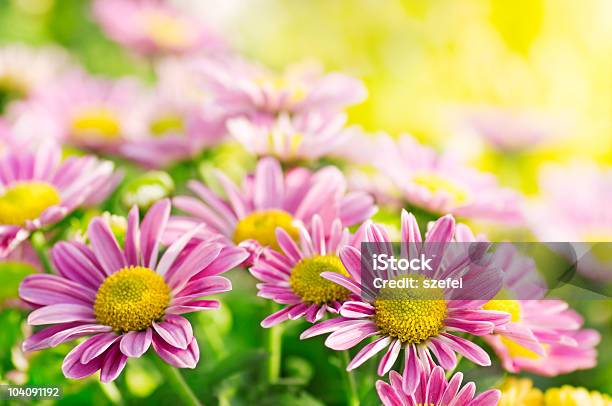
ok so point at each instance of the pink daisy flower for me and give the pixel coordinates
(166, 127)
(250, 213)
(83, 111)
(24, 69)
(292, 278)
(246, 89)
(37, 189)
(439, 184)
(154, 27)
(305, 137)
(126, 299)
(419, 327)
(433, 389)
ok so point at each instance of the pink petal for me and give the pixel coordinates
(368, 352)
(197, 260)
(488, 398)
(356, 310)
(187, 358)
(269, 185)
(132, 238)
(61, 313)
(53, 289)
(105, 247)
(277, 317)
(74, 369)
(176, 330)
(467, 348)
(135, 343)
(388, 395)
(113, 364)
(52, 336)
(96, 345)
(151, 230)
(412, 369)
(350, 336)
(330, 325)
(387, 361)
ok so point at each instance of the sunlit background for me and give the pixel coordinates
(507, 86)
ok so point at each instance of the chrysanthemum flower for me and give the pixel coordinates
(38, 189)
(440, 184)
(268, 199)
(433, 389)
(420, 324)
(543, 336)
(246, 89)
(291, 276)
(306, 137)
(521, 392)
(83, 111)
(24, 69)
(166, 127)
(126, 299)
(154, 27)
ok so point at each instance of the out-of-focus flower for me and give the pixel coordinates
(363, 164)
(580, 214)
(569, 350)
(24, 69)
(267, 199)
(37, 189)
(246, 89)
(166, 127)
(577, 213)
(154, 27)
(305, 137)
(420, 322)
(433, 389)
(521, 392)
(509, 130)
(82, 111)
(440, 184)
(126, 299)
(291, 276)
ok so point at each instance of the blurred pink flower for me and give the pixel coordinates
(82, 111)
(25, 69)
(37, 189)
(510, 130)
(249, 90)
(579, 214)
(439, 184)
(166, 127)
(154, 27)
(126, 299)
(433, 389)
(586, 216)
(418, 326)
(305, 137)
(291, 276)
(564, 346)
(250, 214)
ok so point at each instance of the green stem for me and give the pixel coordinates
(39, 243)
(274, 344)
(112, 393)
(352, 396)
(177, 382)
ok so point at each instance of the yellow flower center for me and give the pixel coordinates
(307, 283)
(437, 184)
(26, 201)
(412, 315)
(131, 299)
(261, 226)
(165, 30)
(505, 305)
(98, 122)
(171, 123)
